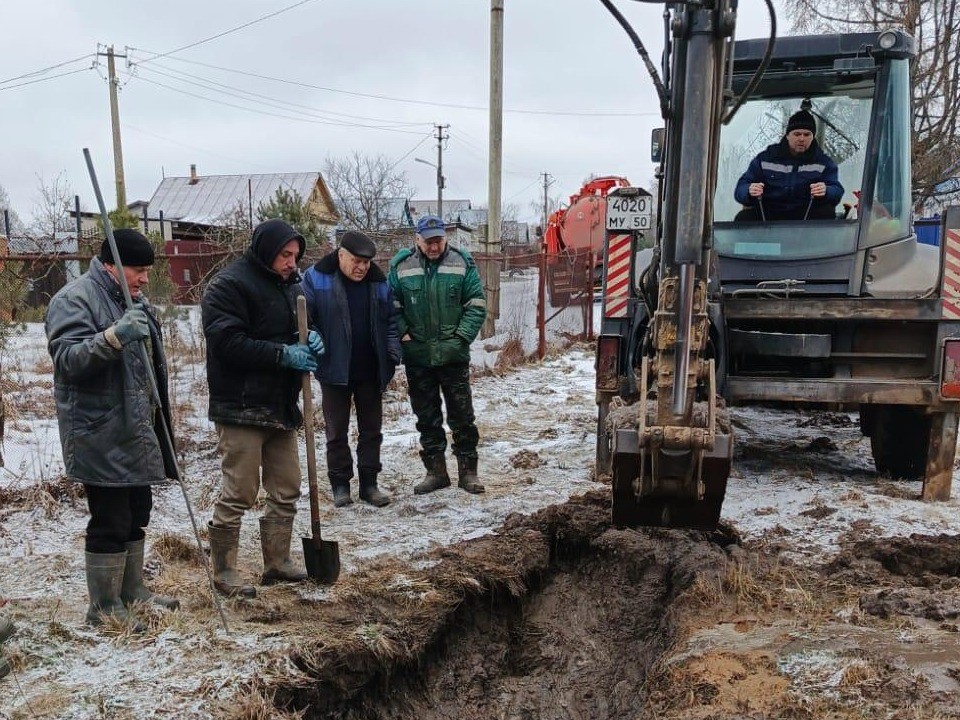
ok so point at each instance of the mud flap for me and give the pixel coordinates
(631, 509)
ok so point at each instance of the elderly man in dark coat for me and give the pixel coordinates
(351, 305)
(108, 421)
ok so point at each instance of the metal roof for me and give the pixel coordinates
(211, 198)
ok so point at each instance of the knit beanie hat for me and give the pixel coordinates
(134, 248)
(802, 120)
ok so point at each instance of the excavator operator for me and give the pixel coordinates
(792, 179)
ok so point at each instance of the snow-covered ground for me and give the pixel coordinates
(537, 426)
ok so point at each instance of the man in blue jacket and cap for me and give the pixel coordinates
(792, 179)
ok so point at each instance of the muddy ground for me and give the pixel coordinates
(561, 616)
(828, 592)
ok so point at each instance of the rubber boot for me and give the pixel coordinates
(341, 494)
(224, 543)
(6, 630)
(104, 578)
(275, 536)
(132, 589)
(436, 477)
(467, 470)
(369, 492)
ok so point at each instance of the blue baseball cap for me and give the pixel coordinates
(430, 226)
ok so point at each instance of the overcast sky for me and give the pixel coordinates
(577, 98)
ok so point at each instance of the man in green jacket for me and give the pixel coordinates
(441, 306)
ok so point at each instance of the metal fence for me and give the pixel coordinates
(541, 303)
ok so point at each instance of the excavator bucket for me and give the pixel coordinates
(671, 504)
(671, 475)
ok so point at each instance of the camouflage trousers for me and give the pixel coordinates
(425, 387)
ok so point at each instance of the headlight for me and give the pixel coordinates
(887, 40)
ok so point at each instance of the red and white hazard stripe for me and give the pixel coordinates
(950, 288)
(617, 290)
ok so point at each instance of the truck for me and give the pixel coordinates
(581, 225)
(849, 313)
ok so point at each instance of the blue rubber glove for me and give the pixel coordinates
(298, 357)
(132, 326)
(315, 343)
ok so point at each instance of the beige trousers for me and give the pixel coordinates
(245, 451)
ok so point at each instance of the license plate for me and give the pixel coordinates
(629, 212)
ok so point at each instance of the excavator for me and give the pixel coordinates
(847, 312)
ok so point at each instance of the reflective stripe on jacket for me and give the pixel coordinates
(442, 305)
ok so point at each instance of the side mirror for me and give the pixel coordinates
(656, 144)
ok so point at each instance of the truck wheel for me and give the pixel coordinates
(899, 438)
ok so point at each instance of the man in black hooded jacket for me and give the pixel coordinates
(254, 371)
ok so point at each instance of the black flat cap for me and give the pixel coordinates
(358, 244)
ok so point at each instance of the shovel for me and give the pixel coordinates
(321, 557)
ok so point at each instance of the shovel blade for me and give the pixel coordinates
(322, 559)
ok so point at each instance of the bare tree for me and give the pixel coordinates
(935, 24)
(368, 190)
(51, 212)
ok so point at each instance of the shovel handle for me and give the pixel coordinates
(308, 419)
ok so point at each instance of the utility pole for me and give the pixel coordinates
(494, 241)
(440, 179)
(546, 209)
(115, 124)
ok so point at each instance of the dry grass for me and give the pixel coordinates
(512, 354)
(47, 496)
(752, 585)
(254, 702)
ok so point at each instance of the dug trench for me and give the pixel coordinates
(560, 615)
(556, 615)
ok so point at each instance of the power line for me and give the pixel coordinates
(228, 32)
(44, 79)
(271, 114)
(46, 69)
(277, 103)
(410, 151)
(403, 100)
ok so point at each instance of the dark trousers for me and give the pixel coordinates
(368, 399)
(117, 516)
(425, 387)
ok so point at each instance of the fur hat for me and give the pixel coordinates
(134, 248)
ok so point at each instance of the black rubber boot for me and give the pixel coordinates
(104, 579)
(275, 534)
(132, 589)
(341, 494)
(467, 470)
(369, 492)
(436, 477)
(224, 543)
(6, 630)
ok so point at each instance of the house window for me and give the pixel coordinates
(186, 275)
